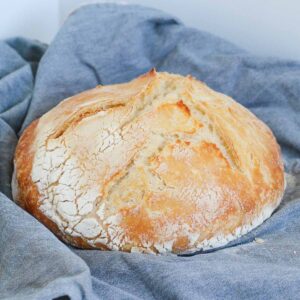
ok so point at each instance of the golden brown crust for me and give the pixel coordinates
(160, 164)
(28, 194)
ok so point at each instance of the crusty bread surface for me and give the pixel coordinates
(161, 164)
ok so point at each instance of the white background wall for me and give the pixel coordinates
(264, 27)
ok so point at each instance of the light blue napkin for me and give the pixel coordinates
(108, 44)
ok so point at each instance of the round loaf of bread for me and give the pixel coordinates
(159, 164)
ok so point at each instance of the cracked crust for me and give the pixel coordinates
(160, 164)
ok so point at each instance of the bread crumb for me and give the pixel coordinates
(259, 240)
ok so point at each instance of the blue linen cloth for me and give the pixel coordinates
(103, 44)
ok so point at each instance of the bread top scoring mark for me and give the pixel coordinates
(160, 164)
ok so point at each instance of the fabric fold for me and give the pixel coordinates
(108, 43)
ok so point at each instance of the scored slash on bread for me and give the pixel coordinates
(159, 164)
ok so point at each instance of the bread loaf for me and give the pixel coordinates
(156, 165)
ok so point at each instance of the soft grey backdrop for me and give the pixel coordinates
(107, 44)
(269, 27)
